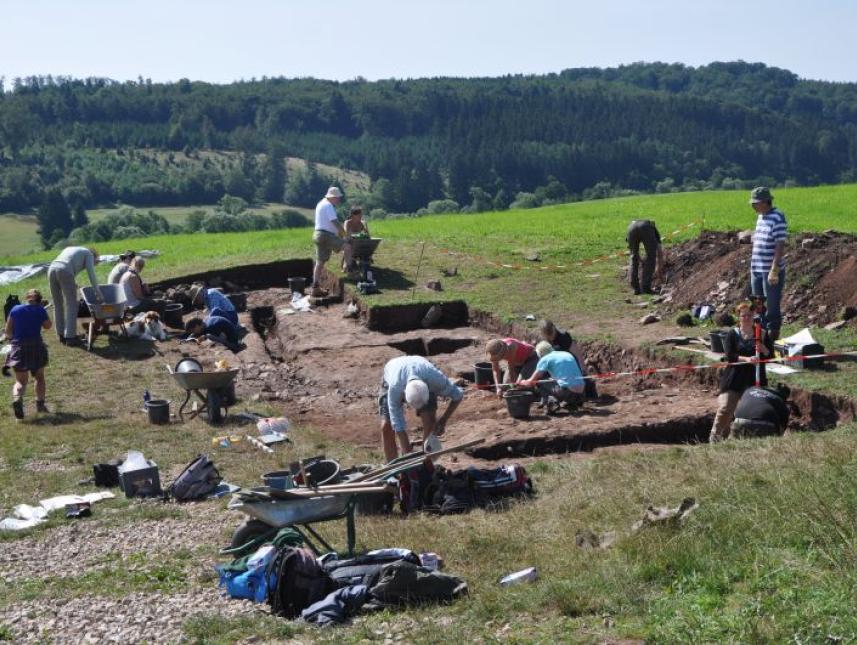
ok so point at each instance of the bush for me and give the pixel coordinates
(525, 200)
(289, 218)
(439, 206)
(124, 232)
(378, 213)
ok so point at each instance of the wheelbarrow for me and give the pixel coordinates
(215, 402)
(362, 249)
(110, 311)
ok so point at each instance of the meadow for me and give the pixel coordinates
(769, 556)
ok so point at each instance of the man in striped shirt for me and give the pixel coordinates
(767, 265)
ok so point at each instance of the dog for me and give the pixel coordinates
(147, 326)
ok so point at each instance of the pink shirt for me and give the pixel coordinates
(521, 351)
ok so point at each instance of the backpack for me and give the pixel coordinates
(197, 480)
(11, 301)
(300, 582)
(365, 569)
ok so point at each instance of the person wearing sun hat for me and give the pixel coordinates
(329, 237)
(415, 381)
(767, 264)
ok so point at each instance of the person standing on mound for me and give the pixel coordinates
(329, 236)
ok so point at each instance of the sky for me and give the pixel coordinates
(226, 40)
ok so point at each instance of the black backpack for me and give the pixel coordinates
(197, 480)
(11, 301)
(300, 582)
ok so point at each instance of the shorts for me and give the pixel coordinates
(29, 355)
(384, 409)
(325, 244)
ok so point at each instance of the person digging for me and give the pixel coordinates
(644, 231)
(414, 381)
(564, 380)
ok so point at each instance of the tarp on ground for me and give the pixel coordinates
(16, 273)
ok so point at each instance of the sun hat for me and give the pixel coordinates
(543, 348)
(333, 191)
(195, 292)
(416, 394)
(761, 194)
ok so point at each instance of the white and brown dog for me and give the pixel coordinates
(147, 326)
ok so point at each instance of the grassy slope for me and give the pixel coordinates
(769, 556)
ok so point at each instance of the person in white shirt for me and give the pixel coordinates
(121, 267)
(329, 236)
(61, 274)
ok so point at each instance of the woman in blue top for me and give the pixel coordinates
(29, 354)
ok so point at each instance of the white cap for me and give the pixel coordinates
(543, 348)
(416, 394)
(333, 191)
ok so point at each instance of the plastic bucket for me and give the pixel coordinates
(323, 472)
(483, 373)
(518, 403)
(297, 284)
(717, 338)
(173, 315)
(159, 411)
(279, 480)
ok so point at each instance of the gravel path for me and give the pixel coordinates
(137, 617)
(78, 547)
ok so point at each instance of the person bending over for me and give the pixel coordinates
(563, 341)
(215, 303)
(520, 357)
(565, 380)
(414, 381)
(61, 277)
(29, 355)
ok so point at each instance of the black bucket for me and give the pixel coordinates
(297, 284)
(323, 472)
(717, 337)
(518, 403)
(483, 374)
(238, 300)
(159, 411)
(173, 315)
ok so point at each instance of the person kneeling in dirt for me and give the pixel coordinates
(520, 357)
(565, 384)
(739, 345)
(215, 303)
(563, 341)
(417, 382)
(220, 330)
(761, 412)
(29, 355)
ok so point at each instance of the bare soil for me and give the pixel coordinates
(821, 274)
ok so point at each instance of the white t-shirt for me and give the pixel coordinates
(325, 217)
(116, 273)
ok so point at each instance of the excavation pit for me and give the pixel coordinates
(323, 370)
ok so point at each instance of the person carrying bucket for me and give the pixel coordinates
(414, 381)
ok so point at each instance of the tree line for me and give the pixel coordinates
(478, 142)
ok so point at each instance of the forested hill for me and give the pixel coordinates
(582, 132)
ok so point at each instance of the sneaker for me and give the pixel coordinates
(18, 409)
(42, 407)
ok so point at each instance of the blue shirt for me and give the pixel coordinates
(397, 373)
(219, 305)
(562, 367)
(770, 229)
(218, 325)
(27, 321)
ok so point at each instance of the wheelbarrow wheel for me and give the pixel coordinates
(249, 530)
(214, 403)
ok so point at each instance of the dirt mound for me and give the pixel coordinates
(714, 269)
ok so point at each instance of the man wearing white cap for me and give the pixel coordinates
(329, 236)
(417, 382)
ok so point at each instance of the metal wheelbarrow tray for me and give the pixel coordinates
(194, 382)
(108, 312)
(362, 248)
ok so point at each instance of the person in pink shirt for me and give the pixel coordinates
(521, 360)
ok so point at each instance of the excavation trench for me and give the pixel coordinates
(323, 370)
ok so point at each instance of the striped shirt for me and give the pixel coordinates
(770, 229)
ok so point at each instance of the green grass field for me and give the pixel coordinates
(769, 556)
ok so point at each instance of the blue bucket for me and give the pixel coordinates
(279, 480)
